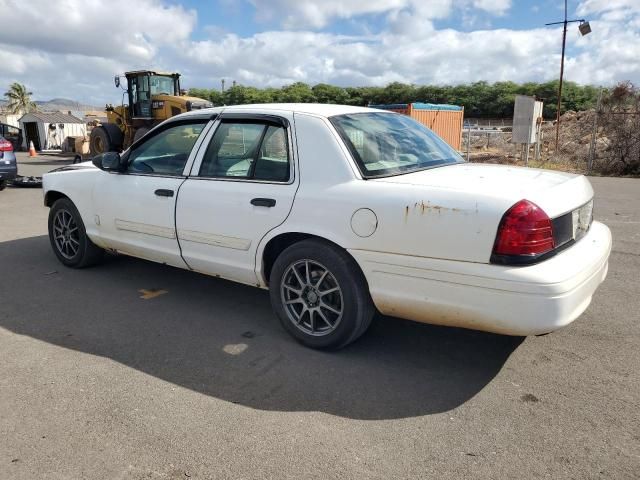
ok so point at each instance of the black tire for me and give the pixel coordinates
(3, 184)
(115, 135)
(351, 297)
(141, 132)
(105, 138)
(80, 251)
(99, 141)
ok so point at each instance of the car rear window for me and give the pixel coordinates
(385, 144)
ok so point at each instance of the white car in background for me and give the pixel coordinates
(339, 211)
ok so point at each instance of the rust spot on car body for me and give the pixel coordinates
(427, 207)
(433, 313)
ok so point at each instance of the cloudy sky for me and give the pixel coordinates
(73, 48)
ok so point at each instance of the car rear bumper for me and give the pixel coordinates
(528, 300)
(8, 172)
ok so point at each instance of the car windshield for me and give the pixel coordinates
(385, 144)
(162, 85)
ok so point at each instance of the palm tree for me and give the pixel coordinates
(19, 99)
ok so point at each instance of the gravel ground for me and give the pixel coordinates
(202, 382)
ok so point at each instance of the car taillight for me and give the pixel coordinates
(5, 146)
(525, 230)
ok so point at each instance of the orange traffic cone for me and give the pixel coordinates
(32, 150)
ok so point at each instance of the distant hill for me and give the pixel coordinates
(63, 104)
(60, 104)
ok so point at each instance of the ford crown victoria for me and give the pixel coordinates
(340, 212)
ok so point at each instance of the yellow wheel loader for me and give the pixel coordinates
(152, 98)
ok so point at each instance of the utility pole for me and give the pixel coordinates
(585, 29)
(564, 42)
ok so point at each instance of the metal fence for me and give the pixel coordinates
(600, 141)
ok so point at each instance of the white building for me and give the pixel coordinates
(10, 119)
(48, 131)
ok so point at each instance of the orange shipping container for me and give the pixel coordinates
(444, 120)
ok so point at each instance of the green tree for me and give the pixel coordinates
(325, 93)
(19, 99)
(432, 94)
(397, 92)
(270, 94)
(216, 97)
(198, 92)
(298, 92)
(481, 99)
(354, 96)
(241, 95)
(363, 96)
(548, 92)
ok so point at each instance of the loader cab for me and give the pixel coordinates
(143, 86)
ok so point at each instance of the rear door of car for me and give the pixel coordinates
(242, 185)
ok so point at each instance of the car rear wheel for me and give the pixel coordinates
(69, 238)
(320, 295)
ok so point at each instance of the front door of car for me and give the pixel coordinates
(135, 210)
(241, 186)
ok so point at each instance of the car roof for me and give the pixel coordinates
(319, 109)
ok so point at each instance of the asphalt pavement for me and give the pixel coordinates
(134, 370)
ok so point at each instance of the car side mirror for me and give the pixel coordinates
(108, 161)
(117, 80)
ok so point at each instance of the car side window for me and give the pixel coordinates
(247, 150)
(165, 153)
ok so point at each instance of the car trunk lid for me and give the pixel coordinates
(555, 192)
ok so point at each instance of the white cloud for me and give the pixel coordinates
(410, 49)
(610, 53)
(281, 57)
(122, 29)
(57, 47)
(497, 7)
(317, 14)
(587, 7)
(18, 61)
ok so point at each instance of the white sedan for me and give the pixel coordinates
(339, 211)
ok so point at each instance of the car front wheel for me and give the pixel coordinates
(69, 238)
(320, 295)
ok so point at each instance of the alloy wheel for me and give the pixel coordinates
(66, 234)
(312, 297)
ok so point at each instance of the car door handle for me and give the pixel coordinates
(263, 202)
(163, 192)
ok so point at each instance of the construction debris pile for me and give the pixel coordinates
(576, 133)
(611, 138)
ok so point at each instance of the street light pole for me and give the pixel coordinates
(584, 30)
